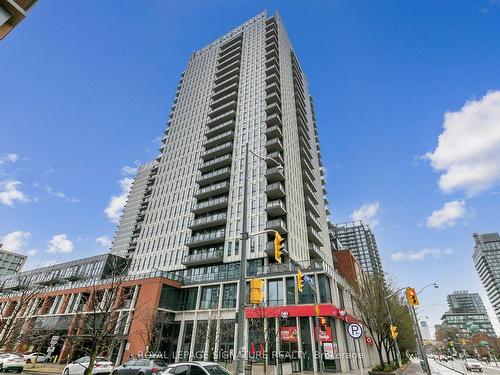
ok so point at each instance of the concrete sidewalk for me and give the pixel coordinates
(44, 368)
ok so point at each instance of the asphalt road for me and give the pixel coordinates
(457, 366)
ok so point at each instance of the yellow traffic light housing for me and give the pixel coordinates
(256, 293)
(300, 281)
(278, 246)
(394, 332)
(411, 295)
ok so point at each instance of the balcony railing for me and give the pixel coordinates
(314, 236)
(276, 190)
(208, 221)
(223, 109)
(228, 89)
(210, 205)
(274, 119)
(228, 125)
(277, 225)
(225, 99)
(275, 174)
(222, 118)
(274, 131)
(206, 239)
(207, 191)
(274, 145)
(218, 139)
(234, 72)
(311, 220)
(216, 151)
(276, 155)
(276, 208)
(215, 176)
(205, 257)
(215, 163)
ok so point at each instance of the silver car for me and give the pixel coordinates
(196, 368)
(141, 366)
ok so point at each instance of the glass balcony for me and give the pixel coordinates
(275, 191)
(210, 205)
(211, 190)
(208, 221)
(276, 208)
(231, 49)
(274, 119)
(314, 236)
(229, 44)
(309, 191)
(310, 205)
(274, 69)
(272, 46)
(228, 125)
(274, 132)
(222, 118)
(206, 239)
(307, 177)
(273, 97)
(226, 83)
(228, 60)
(217, 151)
(225, 99)
(275, 174)
(205, 257)
(314, 251)
(272, 53)
(274, 145)
(234, 72)
(272, 61)
(304, 144)
(223, 109)
(278, 225)
(311, 220)
(220, 72)
(218, 139)
(274, 88)
(215, 176)
(216, 163)
(278, 156)
(274, 78)
(227, 90)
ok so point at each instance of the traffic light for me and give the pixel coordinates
(463, 342)
(411, 295)
(278, 246)
(300, 281)
(394, 332)
(256, 294)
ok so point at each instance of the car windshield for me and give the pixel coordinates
(216, 370)
(160, 363)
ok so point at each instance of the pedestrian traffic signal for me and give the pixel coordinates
(256, 293)
(278, 246)
(394, 332)
(300, 281)
(411, 295)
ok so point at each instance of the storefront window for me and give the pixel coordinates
(307, 295)
(325, 295)
(275, 292)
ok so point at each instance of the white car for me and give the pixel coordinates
(101, 366)
(196, 368)
(11, 361)
(36, 357)
(472, 364)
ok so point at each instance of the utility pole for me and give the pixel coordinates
(241, 349)
(398, 354)
(419, 340)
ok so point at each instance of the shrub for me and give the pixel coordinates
(378, 368)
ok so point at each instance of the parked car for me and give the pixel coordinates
(101, 366)
(472, 364)
(11, 361)
(36, 357)
(443, 358)
(450, 358)
(196, 368)
(141, 366)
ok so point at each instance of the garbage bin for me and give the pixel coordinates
(295, 365)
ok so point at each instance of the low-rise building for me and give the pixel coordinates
(10, 262)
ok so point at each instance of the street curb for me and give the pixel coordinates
(450, 368)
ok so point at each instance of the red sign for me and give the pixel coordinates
(288, 334)
(325, 334)
(369, 340)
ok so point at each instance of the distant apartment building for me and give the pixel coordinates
(12, 12)
(10, 263)
(358, 237)
(487, 262)
(424, 328)
(467, 307)
(129, 227)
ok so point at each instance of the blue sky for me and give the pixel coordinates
(87, 87)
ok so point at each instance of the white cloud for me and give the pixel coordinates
(129, 171)
(104, 241)
(448, 215)
(117, 202)
(10, 193)
(15, 241)
(49, 190)
(368, 213)
(60, 244)
(9, 158)
(419, 255)
(468, 150)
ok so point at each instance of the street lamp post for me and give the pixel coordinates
(243, 263)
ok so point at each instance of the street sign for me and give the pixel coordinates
(369, 340)
(342, 313)
(284, 314)
(308, 279)
(54, 340)
(355, 330)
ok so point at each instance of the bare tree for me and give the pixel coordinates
(100, 315)
(210, 331)
(153, 323)
(16, 294)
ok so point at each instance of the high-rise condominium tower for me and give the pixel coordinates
(247, 87)
(487, 262)
(359, 238)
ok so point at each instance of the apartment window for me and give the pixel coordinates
(290, 291)
(188, 299)
(275, 292)
(229, 296)
(325, 294)
(209, 297)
